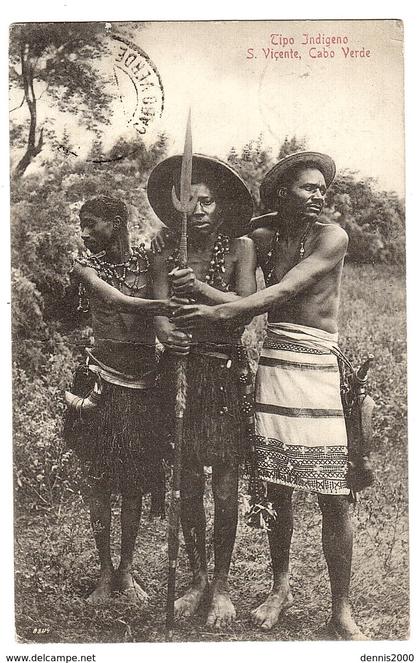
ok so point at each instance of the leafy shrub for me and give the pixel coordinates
(373, 219)
(45, 471)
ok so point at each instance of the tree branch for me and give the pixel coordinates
(40, 143)
(23, 55)
(43, 91)
(20, 105)
(34, 147)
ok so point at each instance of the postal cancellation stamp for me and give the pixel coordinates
(139, 84)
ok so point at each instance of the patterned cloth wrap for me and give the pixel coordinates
(219, 406)
(301, 438)
(120, 443)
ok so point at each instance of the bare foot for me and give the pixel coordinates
(188, 604)
(125, 583)
(103, 589)
(221, 611)
(345, 629)
(268, 613)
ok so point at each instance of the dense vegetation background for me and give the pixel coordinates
(55, 559)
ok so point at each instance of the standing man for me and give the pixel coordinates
(300, 430)
(221, 268)
(113, 431)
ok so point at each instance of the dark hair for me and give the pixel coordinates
(105, 207)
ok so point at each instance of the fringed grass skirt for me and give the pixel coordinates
(214, 422)
(120, 443)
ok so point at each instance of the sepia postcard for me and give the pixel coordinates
(166, 402)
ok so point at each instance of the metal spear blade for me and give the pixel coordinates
(186, 202)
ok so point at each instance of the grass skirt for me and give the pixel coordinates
(214, 421)
(120, 443)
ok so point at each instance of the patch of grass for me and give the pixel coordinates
(56, 563)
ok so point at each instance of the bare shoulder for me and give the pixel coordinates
(262, 238)
(83, 271)
(332, 236)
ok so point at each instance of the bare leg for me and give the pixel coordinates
(130, 521)
(100, 518)
(193, 522)
(225, 492)
(280, 536)
(337, 543)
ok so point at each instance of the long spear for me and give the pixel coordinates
(185, 204)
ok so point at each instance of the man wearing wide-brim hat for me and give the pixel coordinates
(221, 268)
(301, 439)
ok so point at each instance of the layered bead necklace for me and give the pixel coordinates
(216, 268)
(115, 273)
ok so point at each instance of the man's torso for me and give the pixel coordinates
(315, 306)
(124, 341)
(109, 323)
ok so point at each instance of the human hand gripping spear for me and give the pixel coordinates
(186, 205)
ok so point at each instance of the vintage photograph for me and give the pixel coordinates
(209, 331)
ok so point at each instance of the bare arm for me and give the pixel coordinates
(172, 338)
(330, 247)
(245, 282)
(262, 238)
(114, 298)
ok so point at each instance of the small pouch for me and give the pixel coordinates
(358, 408)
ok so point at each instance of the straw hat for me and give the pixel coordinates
(274, 178)
(228, 187)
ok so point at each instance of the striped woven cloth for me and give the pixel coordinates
(301, 436)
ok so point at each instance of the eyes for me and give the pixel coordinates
(91, 222)
(314, 187)
(89, 226)
(206, 202)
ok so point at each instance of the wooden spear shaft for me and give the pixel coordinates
(175, 507)
(185, 204)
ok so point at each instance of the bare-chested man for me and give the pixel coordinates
(221, 268)
(115, 432)
(300, 430)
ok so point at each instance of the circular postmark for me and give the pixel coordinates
(130, 102)
(138, 82)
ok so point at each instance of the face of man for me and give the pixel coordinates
(305, 195)
(205, 217)
(97, 233)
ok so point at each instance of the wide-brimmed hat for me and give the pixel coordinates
(236, 200)
(272, 180)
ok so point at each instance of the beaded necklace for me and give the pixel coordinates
(276, 237)
(115, 273)
(216, 268)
